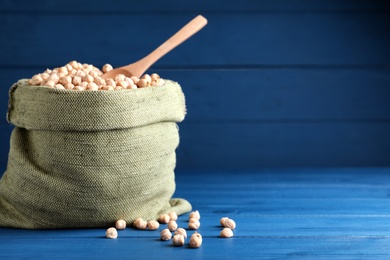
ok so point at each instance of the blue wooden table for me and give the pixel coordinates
(323, 213)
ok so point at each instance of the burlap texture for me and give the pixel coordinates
(82, 159)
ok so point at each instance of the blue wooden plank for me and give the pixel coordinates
(191, 6)
(275, 39)
(291, 144)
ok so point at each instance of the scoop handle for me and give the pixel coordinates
(183, 34)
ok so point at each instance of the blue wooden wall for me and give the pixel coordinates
(268, 83)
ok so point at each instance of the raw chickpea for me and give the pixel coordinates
(172, 225)
(172, 216)
(222, 220)
(142, 83)
(226, 233)
(78, 88)
(120, 77)
(164, 218)
(93, 73)
(181, 231)
(88, 78)
(139, 223)
(35, 80)
(99, 81)
(178, 240)
(155, 77)
(153, 225)
(120, 224)
(196, 240)
(69, 86)
(80, 73)
(147, 78)
(74, 64)
(76, 80)
(65, 80)
(195, 214)
(69, 67)
(45, 76)
(227, 222)
(111, 233)
(59, 86)
(107, 67)
(110, 82)
(193, 223)
(50, 83)
(123, 84)
(135, 79)
(54, 78)
(165, 234)
(63, 69)
(92, 86)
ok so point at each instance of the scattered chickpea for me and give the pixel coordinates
(173, 216)
(153, 225)
(120, 224)
(111, 232)
(196, 240)
(172, 225)
(226, 233)
(178, 240)
(222, 220)
(164, 219)
(165, 234)
(195, 214)
(227, 222)
(139, 223)
(193, 223)
(181, 231)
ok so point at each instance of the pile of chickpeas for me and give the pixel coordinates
(77, 76)
(173, 232)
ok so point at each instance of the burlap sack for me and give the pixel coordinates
(81, 159)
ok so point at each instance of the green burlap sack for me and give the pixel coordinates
(81, 159)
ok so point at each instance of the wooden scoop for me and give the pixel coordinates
(138, 68)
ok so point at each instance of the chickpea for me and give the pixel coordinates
(193, 223)
(164, 218)
(88, 78)
(92, 86)
(120, 224)
(226, 233)
(107, 67)
(120, 77)
(172, 225)
(153, 225)
(178, 240)
(227, 222)
(59, 86)
(165, 234)
(195, 214)
(172, 216)
(196, 240)
(76, 80)
(142, 83)
(35, 80)
(111, 233)
(50, 83)
(139, 223)
(181, 231)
